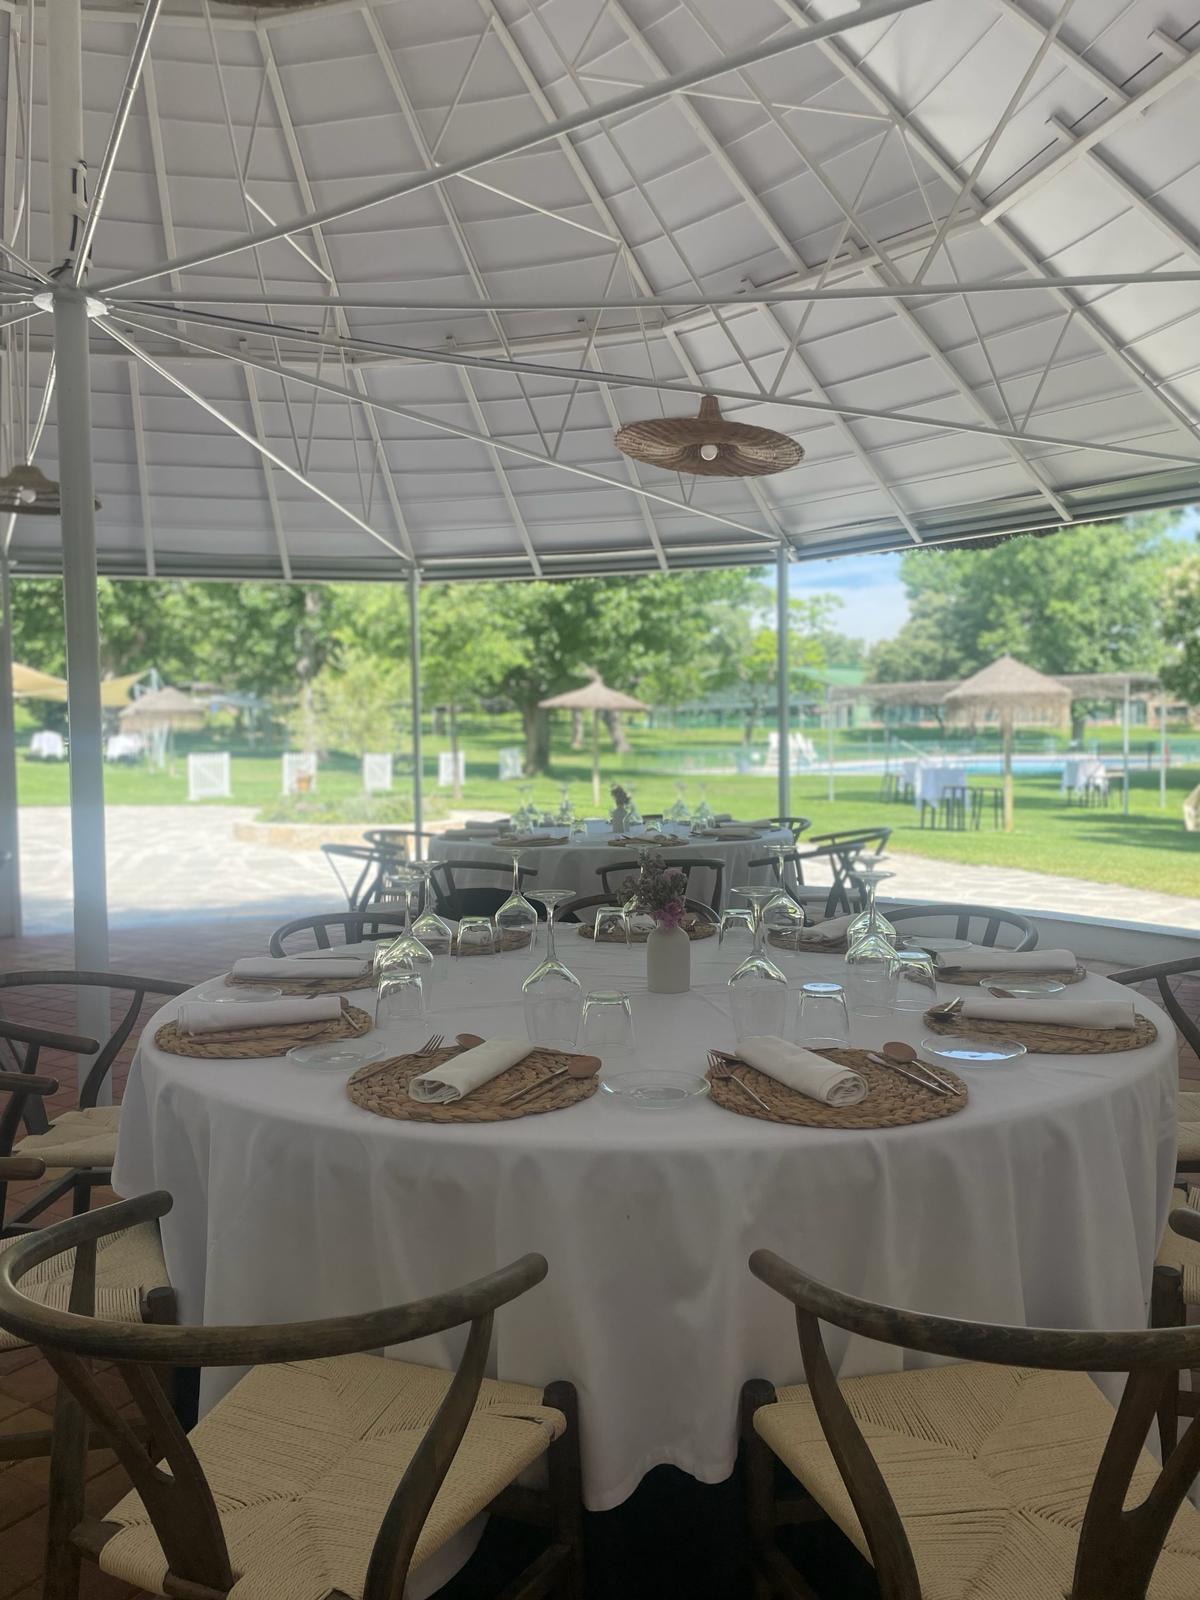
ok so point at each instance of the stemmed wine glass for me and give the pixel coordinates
(433, 931)
(552, 992)
(566, 811)
(871, 952)
(703, 816)
(869, 875)
(405, 953)
(679, 811)
(516, 920)
(757, 989)
(782, 914)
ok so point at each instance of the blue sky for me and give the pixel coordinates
(872, 596)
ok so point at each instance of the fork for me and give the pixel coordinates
(721, 1066)
(431, 1046)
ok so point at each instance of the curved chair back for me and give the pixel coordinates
(1162, 974)
(980, 924)
(19, 1088)
(451, 899)
(392, 840)
(569, 912)
(795, 825)
(359, 869)
(841, 852)
(1118, 1548)
(179, 1501)
(615, 872)
(352, 926)
(108, 1051)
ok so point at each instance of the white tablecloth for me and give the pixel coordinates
(575, 866)
(1042, 1202)
(931, 783)
(1078, 772)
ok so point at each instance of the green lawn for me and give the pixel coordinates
(1148, 849)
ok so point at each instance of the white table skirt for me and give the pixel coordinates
(1042, 1202)
(1078, 772)
(575, 866)
(931, 783)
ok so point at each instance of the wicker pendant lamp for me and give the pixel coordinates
(709, 446)
(28, 492)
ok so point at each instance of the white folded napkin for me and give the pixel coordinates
(1071, 1013)
(266, 969)
(221, 1016)
(803, 1070)
(984, 958)
(458, 1076)
(831, 931)
(363, 950)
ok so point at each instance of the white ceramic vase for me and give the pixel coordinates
(668, 961)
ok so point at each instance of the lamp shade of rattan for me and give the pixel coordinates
(26, 491)
(709, 446)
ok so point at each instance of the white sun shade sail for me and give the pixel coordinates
(980, 142)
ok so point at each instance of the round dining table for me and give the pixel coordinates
(576, 863)
(1041, 1202)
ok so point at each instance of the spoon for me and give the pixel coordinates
(577, 1067)
(903, 1055)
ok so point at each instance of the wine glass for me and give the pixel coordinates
(703, 816)
(735, 936)
(566, 811)
(552, 991)
(870, 877)
(679, 811)
(516, 920)
(633, 817)
(405, 951)
(525, 815)
(757, 989)
(871, 951)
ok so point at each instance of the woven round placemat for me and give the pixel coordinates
(892, 1101)
(245, 1044)
(382, 1087)
(1003, 980)
(783, 940)
(1050, 1038)
(502, 946)
(310, 986)
(527, 841)
(696, 928)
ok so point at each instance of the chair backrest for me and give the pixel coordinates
(613, 874)
(1118, 1548)
(17, 1088)
(843, 852)
(108, 1051)
(477, 899)
(980, 924)
(1162, 974)
(569, 911)
(179, 1500)
(359, 869)
(353, 927)
(795, 825)
(389, 839)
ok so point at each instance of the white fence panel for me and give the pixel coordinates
(300, 772)
(208, 775)
(447, 762)
(376, 772)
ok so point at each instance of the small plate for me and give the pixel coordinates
(225, 994)
(343, 1055)
(656, 1091)
(958, 1050)
(1029, 989)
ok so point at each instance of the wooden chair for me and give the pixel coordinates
(353, 926)
(478, 900)
(1176, 1291)
(613, 876)
(359, 869)
(393, 840)
(795, 825)
(1188, 1157)
(980, 924)
(326, 1472)
(81, 1145)
(569, 911)
(1009, 1464)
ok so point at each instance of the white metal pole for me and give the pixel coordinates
(1162, 755)
(829, 737)
(10, 853)
(1125, 748)
(414, 656)
(783, 685)
(67, 192)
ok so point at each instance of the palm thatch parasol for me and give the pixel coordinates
(1008, 689)
(158, 713)
(595, 696)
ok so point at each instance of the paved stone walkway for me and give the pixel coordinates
(177, 863)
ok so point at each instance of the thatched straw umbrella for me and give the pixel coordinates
(595, 697)
(158, 713)
(1010, 690)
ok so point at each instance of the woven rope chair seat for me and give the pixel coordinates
(990, 1469)
(85, 1138)
(1189, 1127)
(303, 1458)
(128, 1265)
(1184, 1254)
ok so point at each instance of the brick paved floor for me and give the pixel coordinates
(190, 952)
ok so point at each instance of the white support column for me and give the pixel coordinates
(783, 680)
(10, 853)
(1162, 753)
(1125, 748)
(414, 657)
(78, 516)
(829, 738)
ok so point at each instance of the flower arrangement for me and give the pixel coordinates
(658, 890)
(621, 797)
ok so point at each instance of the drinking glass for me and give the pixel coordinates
(611, 925)
(476, 935)
(606, 1026)
(552, 991)
(406, 950)
(758, 993)
(703, 816)
(736, 934)
(914, 981)
(401, 998)
(870, 878)
(679, 812)
(823, 1019)
(516, 920)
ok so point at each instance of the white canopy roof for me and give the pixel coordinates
(969, 141)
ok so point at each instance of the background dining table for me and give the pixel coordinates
(1039, 1203)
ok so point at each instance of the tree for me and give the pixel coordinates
(753, 664)
(467, 647)
(1086, 599)
(1181, 629)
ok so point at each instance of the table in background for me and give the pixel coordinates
(1041, 1202)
